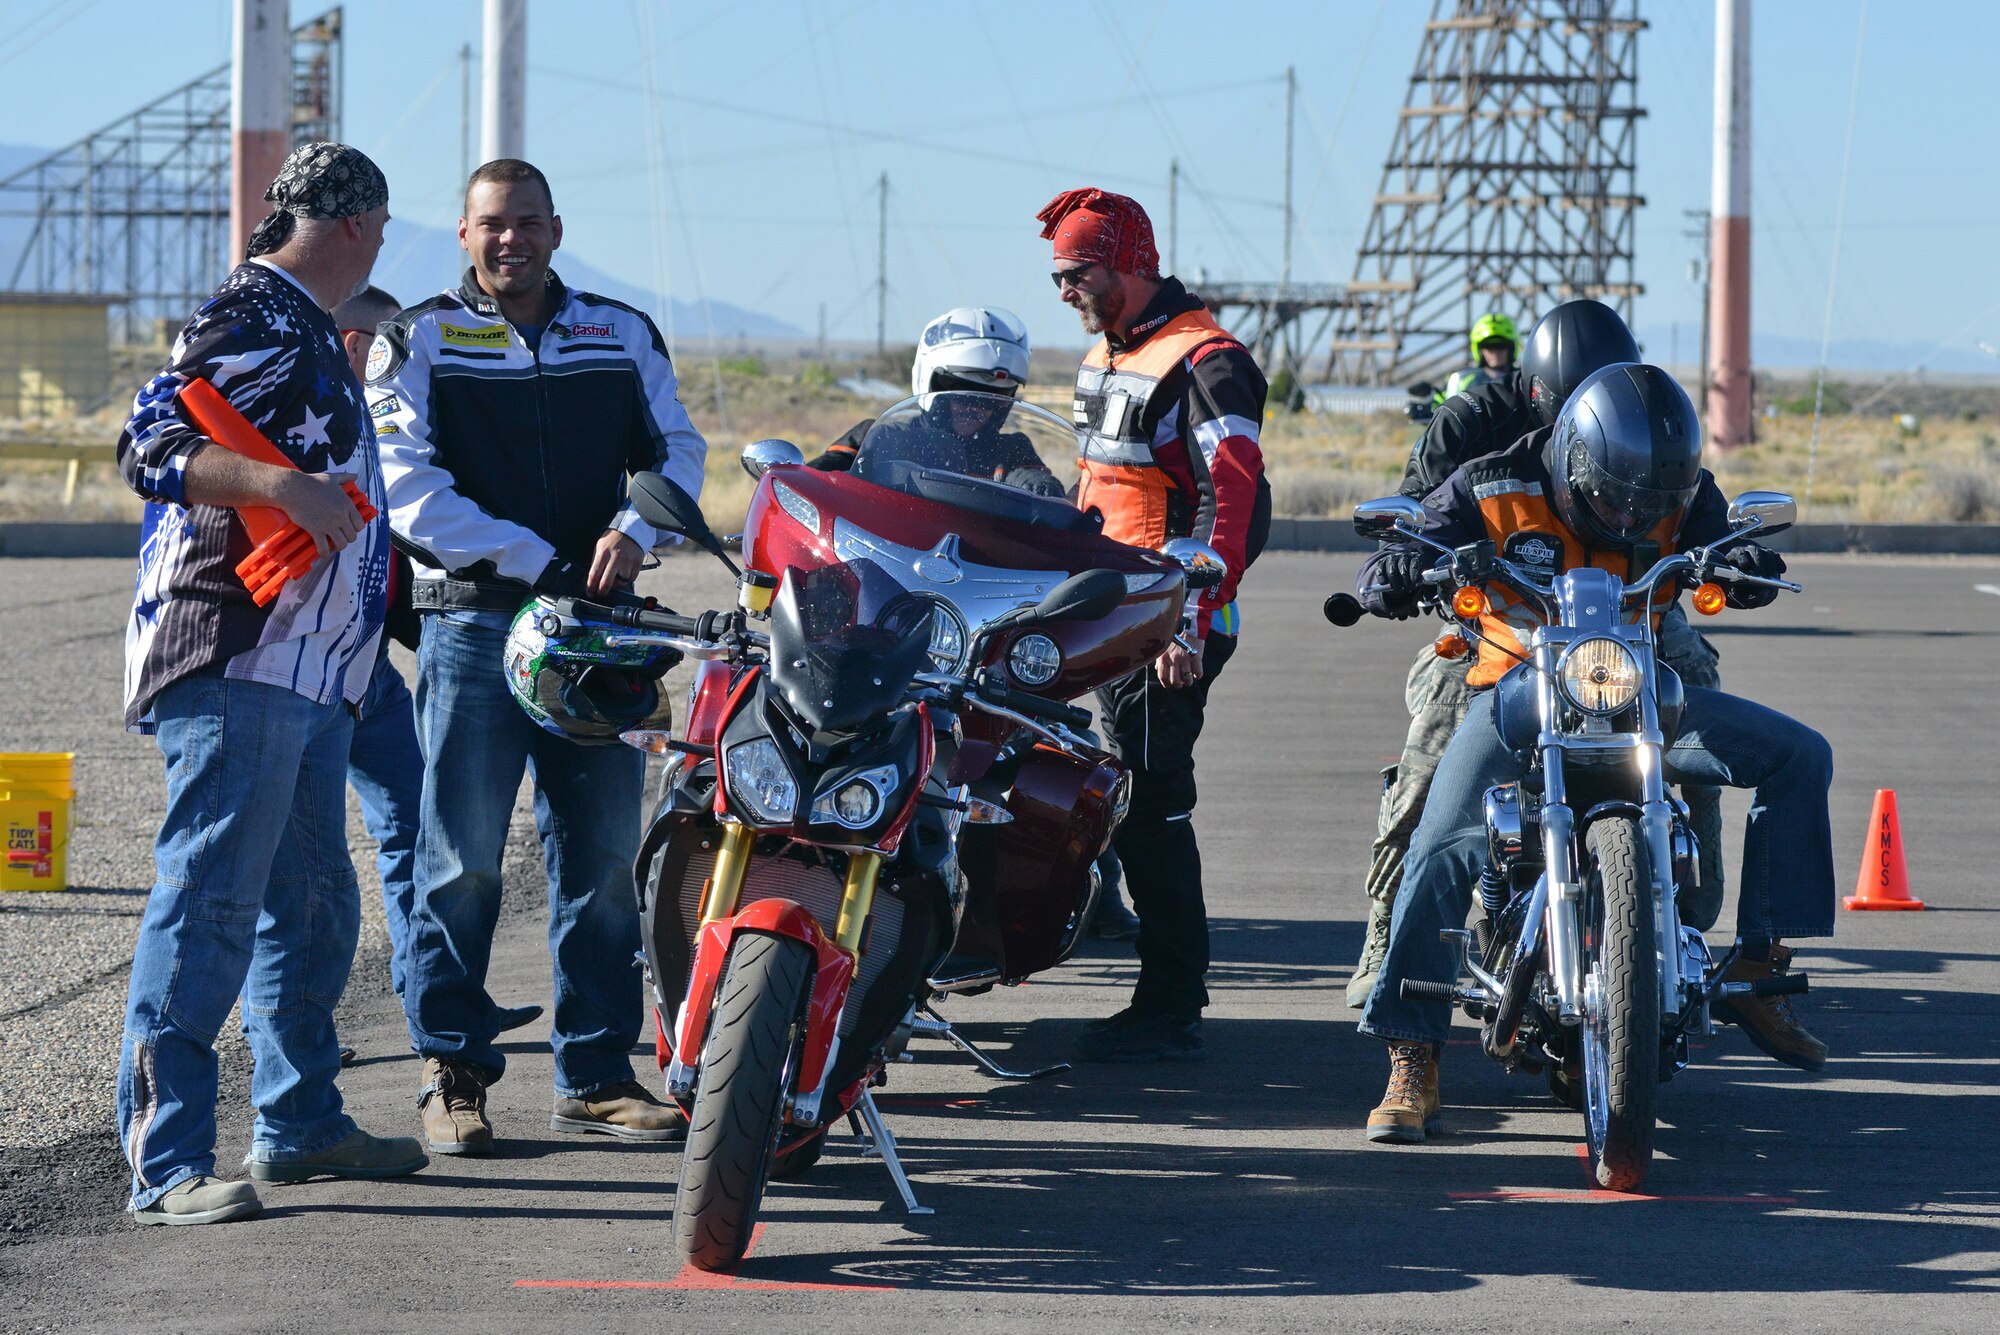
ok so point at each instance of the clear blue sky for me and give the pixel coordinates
(777, 118)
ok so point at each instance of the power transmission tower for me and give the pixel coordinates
(137, 213)
(1508, 184)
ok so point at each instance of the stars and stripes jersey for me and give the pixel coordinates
(1167, 421)
(269, 348)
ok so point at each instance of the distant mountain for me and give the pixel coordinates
(1781, 352)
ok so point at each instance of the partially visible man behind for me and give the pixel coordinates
(1168, 410)
(255, 893)
(511, 409)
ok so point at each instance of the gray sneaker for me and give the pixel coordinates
(360, 1155)
(1374, 949)
(202, 1200)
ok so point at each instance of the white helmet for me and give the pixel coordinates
(973, 347)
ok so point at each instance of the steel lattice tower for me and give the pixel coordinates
(1508, 185)
(138, 212)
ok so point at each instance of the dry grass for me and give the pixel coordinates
(1868, 469)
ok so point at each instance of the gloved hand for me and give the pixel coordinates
(1396, 578)
(1751, 559)
(562, 579)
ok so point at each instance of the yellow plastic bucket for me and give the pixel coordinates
(35, 794)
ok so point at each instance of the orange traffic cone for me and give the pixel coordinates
(1883, 882)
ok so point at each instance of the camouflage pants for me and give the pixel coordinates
(1436, 696)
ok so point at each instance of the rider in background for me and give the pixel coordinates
(1616, 483)
(1496, 344)
(1564, 348)
(979, 348)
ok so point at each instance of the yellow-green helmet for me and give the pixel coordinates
(1494, 325)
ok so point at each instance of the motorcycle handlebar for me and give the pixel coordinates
(1073, 717)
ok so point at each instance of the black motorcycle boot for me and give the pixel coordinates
(1144, 1038)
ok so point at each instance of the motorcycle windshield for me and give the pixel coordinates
(959, 434)
(845, 642)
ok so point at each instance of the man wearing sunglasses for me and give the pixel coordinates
(1168, 410)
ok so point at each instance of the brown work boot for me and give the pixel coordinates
(1410, 1110)
(453, 1104)
(1770, 1022)
(625, 1110)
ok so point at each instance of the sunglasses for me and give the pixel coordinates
(1072, 277)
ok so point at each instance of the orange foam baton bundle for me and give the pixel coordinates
(280, 549)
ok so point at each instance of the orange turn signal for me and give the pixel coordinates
(1709, 599)
(1450, 645)
(1470, 603)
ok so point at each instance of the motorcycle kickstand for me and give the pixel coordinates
(932, 1025)
(885, 1144)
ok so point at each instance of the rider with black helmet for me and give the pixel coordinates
(1617, 483)
(1566, 346)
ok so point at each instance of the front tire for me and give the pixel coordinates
(1621, 1031)
(747, 1069)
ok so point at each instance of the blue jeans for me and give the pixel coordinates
(386, 769)
(476, 743)
(1787, 883)
(254, 895)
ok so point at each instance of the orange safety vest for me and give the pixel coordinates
(1122, 478)
(1518, 517)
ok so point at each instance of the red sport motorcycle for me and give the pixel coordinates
(882, 798)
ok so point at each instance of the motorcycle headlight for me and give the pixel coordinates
(858, 802)
(1600, 675)
(947, 638)
(759, 780)
(1034, 660)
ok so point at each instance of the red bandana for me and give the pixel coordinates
(1107, 229)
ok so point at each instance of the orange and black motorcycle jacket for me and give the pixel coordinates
(1168, 420)
(1508, 499)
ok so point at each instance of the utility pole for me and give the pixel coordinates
(1285, 267)
(1728, 370)
(1700, 271)
(504, 91)
(465, 112)
(1174, 216)
(882, 271)
(260, 112)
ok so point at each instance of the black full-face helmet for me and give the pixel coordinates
(1566, 347)
(1625, 454)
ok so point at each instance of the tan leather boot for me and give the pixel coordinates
(625, 1110)
(1409, 1111)
(1770, 1022)
(453, 1104)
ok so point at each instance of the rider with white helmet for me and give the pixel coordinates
(979, 348)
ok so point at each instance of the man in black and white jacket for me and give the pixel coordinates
(510, 413)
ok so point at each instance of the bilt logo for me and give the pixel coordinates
(486, 336)
(1537, 551)
(590, 331)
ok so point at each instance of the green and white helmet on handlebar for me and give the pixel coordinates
(583, 678)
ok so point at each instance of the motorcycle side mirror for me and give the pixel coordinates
(1773, 510)
(1201, 563)
(1423, 389)
(761, 456)
(1084, 597)
(1342, 609)
(664, 504)
(1377, 520)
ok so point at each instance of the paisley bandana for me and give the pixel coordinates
(319, 180)
(1096, 225)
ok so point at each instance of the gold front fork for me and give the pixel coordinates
(725, 883)
(857, 898)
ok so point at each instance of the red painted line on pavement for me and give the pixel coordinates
(694, 1277)
(1595, 1196)
(928, 1103)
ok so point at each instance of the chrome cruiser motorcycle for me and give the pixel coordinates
(1581, 965)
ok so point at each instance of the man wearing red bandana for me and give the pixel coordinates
(1168, 410)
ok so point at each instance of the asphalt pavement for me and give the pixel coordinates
(1235, 1193)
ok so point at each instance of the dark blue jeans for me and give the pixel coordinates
(386, 768)
(476, 743)
(254, 895)
(1787, 884)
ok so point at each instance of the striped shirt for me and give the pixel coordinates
(267, 345)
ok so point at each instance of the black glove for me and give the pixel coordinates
(1395, 579)
(1751, 559)
(562, 579)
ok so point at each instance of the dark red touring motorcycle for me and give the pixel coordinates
(882, 797)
